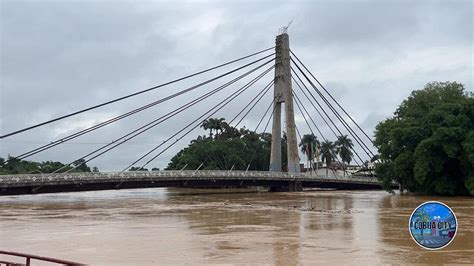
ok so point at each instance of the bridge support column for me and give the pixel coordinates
(283, 93)
(275, 155)
(294, 186)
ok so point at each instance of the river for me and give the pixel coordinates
(177, 226)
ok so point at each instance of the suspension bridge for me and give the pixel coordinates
(289, 71)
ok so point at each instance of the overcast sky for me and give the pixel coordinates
(61, 56)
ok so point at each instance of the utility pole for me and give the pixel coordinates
(283, 94)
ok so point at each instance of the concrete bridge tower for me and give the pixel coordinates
(283, 93)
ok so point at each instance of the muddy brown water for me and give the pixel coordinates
(176, 226)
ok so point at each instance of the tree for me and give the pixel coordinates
(17, 166)
(155, 169)
(206, 124)
(230, 132)
(328, 151)
(50, 167)
(230, 148)
(95, 169)
(374, 158)
(133, 168)
(216, 124)
(81, 165)
(309, 145)
(221, 125)
(344, 147)
(428, 145)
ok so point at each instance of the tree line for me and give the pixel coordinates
(227, 147)
(16, 166)
(329, 151)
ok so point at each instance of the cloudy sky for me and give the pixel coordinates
(61, 56)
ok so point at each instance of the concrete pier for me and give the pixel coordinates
(275, 154)
(283, 93)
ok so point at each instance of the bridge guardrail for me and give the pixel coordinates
(171, 175)
(28, 258)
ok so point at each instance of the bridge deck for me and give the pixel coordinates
(36, 183)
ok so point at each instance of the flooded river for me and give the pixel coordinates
(151, 226)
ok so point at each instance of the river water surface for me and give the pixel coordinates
(159, 226)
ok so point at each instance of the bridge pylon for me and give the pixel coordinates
(283, 93)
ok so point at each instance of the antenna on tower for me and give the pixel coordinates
(284, 29)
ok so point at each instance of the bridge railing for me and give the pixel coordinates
(171, 175)
(28, 258)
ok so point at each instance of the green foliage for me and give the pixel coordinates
(137, 169)
(344, 148)
(16, 166)
(468, 146)
(308, 145)
(216, 124)
(428, 146)
(81, 166)
(328, 152)
(229, 147)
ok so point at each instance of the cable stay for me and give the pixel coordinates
(317, 128)
(261, 94)
(264, 91)
(370, 139)
(338, 116)
(299, 134)
(117, 118)
(265, 129)
(302, 69)
(159, 120)
(301, 141)
(299, 104)
(324, 111)
(300, 107)
(133, 94)
(317, 110)
(216, 108)
(334, 110)
(268, 109)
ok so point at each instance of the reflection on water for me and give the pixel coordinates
(150, 226)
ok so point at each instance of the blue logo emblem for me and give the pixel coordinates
(433, 225)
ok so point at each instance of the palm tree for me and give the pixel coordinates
(217, 124)
(344, 149)
(206, 124)
(222, 124)
(309, 145)
(229, 132)
(328, 151)
(422, 216)
(199, 139)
